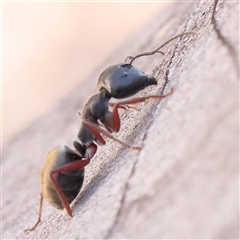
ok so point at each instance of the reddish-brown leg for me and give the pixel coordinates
(39, 215)
(96, 130)
(68, 167)
(116, 118)
(125, 107)
(90, 151)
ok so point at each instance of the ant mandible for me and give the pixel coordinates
(63, 170)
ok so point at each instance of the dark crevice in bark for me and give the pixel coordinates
(122, 201)
(222, 38)
(133, 170)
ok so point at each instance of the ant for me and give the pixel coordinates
(63, 170)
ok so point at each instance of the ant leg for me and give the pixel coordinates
(68, 167)
(125, 107)
(39, 215)
(114, 122)
(91, 150)
(96, 130)
(116, 118)
(142, 99)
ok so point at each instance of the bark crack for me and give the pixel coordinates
(165, 84)
(222, 38)
(122, 201)
(127, 184)
(133, 170)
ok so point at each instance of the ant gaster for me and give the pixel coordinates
(63, 170)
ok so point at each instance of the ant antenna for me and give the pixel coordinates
(156, 50)
(141, 55)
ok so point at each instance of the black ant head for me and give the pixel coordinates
(150, 81)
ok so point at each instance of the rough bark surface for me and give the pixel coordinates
(184, 183)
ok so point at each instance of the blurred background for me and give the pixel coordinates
(47, 48)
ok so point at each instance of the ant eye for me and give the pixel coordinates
(146, 82)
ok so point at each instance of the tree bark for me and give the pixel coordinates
(184, 183)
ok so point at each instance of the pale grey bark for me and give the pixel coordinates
(184, 183)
